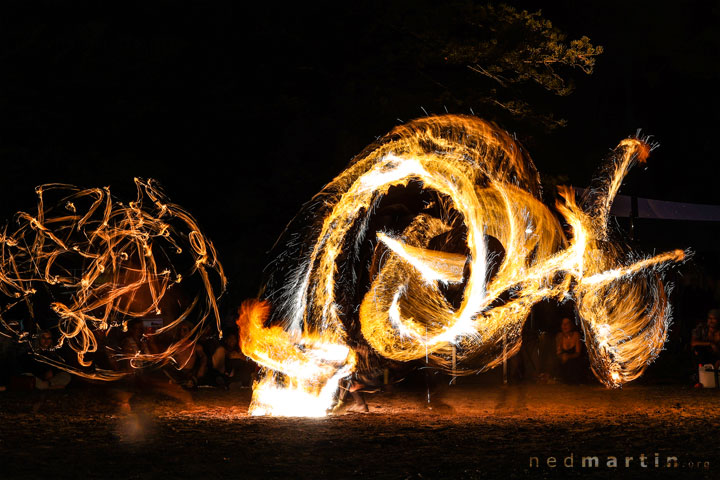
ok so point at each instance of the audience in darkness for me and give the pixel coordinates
(45, 376)
(220, 362)
(705, 341)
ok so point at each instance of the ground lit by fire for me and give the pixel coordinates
(472, 431)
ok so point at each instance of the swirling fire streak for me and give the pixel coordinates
(106, 263)
(483, 177)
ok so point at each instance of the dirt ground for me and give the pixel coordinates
(467, 431)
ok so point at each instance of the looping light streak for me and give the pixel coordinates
(104, 263)
(481, 176)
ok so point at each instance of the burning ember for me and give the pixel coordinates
(89, 263)
(484, 190)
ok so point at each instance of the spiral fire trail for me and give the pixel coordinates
(96, 264)
(485, 188)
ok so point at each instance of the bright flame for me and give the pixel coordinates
(482, 179)
(306, 369)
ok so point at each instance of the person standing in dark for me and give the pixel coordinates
(706, 340)
(568, 350)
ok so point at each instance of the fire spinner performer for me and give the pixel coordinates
(88, 265)
(455, 279)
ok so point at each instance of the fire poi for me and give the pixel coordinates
(482, 233)
(85, 264)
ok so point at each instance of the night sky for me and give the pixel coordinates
(243, 112)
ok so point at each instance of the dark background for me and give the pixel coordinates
(244, 111)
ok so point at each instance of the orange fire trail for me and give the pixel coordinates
(481, 176)
(106, 263)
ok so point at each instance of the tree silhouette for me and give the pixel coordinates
(486, 56)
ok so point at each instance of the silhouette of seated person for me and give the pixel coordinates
(47, 377)
(227, 359)
(568, 350)
(705, 341)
